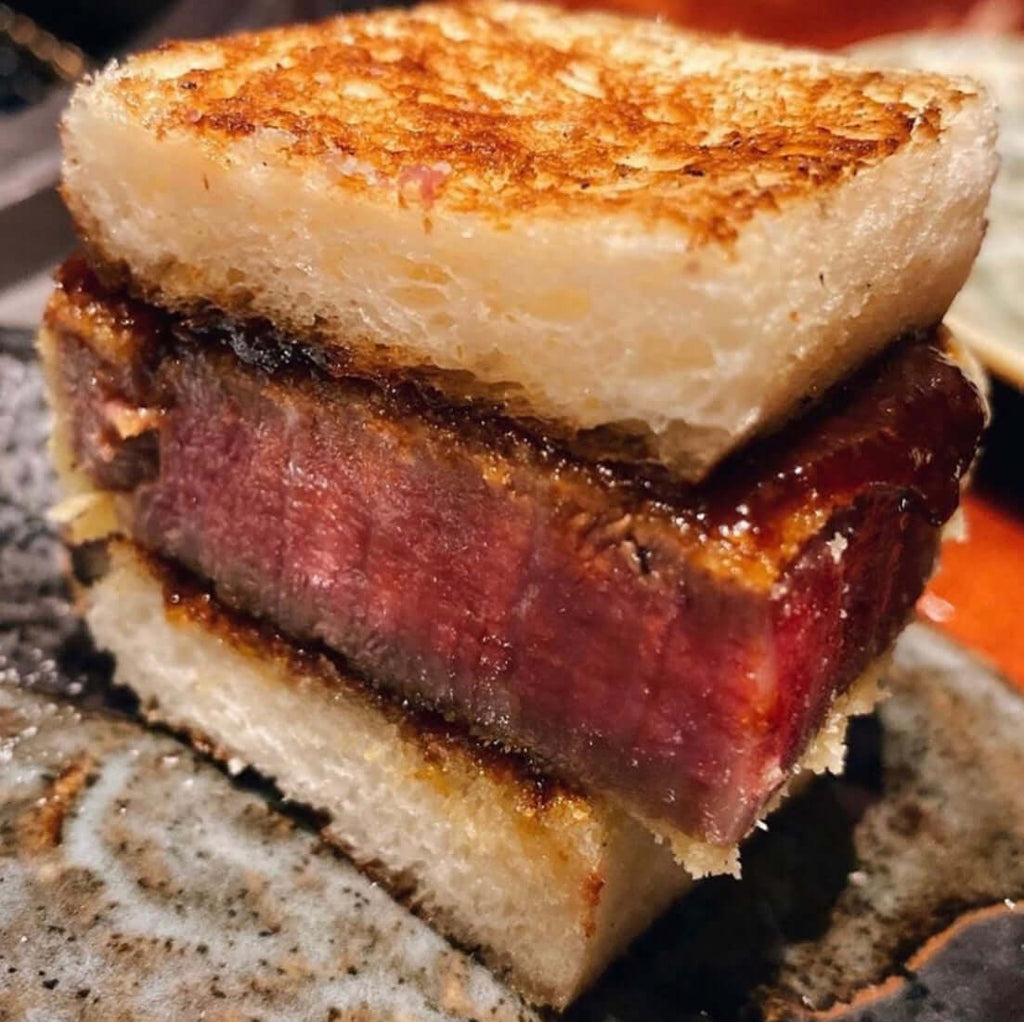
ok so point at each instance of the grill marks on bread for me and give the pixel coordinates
(611, 227)
(499, 109)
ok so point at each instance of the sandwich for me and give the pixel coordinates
(520, 435)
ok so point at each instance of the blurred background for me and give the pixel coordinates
(45, 45)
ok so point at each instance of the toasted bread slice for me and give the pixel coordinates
(604, 223)
(549, 883)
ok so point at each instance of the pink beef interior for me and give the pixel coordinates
(676, 647)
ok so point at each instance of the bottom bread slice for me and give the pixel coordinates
(547, 883)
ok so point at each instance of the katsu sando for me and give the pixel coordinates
(521, 435)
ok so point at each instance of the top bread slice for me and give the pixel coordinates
(592, 220)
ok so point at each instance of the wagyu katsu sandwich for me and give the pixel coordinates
(520, 435)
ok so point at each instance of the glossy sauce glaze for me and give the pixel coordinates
(885, 426)
(676, 646)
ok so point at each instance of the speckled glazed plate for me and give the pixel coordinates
(140, 882)
(989, 312)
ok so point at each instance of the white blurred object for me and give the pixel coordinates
(989, 312)
(21, 305)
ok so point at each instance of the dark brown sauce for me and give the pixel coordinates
(909, 422)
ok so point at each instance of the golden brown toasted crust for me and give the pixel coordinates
(498, 109)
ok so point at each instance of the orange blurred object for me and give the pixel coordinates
(826, 23)
(977, 596)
